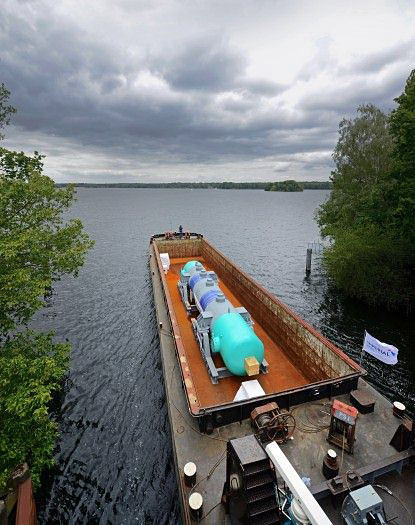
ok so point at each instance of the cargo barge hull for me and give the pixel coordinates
(195, 409)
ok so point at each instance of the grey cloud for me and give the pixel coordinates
(344, 97)
(375, 62)
(321, 61)
(372, 63)
(199, 106)
(282, 168)
(261, 87)
(204, 65)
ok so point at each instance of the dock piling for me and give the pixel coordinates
(308, 261)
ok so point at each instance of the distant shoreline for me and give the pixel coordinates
(306, 185)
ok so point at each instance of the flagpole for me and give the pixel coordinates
(363, 349)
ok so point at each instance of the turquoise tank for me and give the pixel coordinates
(234, 339)
(188, 266)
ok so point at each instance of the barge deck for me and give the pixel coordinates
(373, 458)
(282, 374)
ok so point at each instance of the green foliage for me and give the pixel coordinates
(362, 160)
(402, 123)
(17, 165)
(368, 265)
(286, 185)
(36, 249)
(32, 366)
(369, 214)
(403, 129)
(316, 185)
(6, 110)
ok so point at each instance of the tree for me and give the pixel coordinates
(362, 158)
(402, 122)
(368, 214)
(286, 185)
(36, 249)
(32, 367)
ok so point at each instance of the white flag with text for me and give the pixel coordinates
(386, 353)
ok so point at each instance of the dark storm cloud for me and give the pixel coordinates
(69, 86)
(204, 65)
(190, 102)
(213, 66)
(66, 85)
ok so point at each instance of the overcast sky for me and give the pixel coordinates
(130, 90)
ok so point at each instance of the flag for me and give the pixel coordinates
(386, 353)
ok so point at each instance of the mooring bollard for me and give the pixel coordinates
(189, 471)
(308, 261)
(196, 506)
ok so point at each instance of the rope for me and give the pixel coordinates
(341, 462)
(308, 426)
(213, 508)
(211, 471)
(388, 491)
(209, 474)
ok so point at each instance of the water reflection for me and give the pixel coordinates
(344, 322)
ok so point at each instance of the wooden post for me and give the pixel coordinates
(308, 261)
(26, 507)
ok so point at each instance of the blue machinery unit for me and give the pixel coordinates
(220, 327)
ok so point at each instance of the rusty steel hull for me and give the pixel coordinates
(313, 367)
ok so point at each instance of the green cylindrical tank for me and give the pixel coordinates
(188, 266)
(234, 339)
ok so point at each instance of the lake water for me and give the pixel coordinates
(114, 458)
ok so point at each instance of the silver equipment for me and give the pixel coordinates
(363, 507)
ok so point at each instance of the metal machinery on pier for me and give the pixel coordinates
(220, 327)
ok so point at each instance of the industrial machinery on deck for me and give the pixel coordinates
(363, 507)
(220, 327)
(252, 494)
(249, 491)
(272, 424)
(342, 425)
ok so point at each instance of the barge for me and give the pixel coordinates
(304, 383)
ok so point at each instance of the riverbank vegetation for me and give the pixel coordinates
(36, 248)
(306, 185)
(286, 185)
(370, 214)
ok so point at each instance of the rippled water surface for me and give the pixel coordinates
(114, 458)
